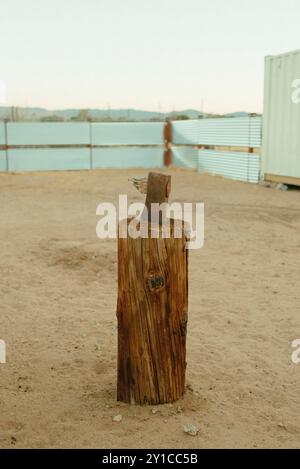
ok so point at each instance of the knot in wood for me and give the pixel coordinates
(156, 282)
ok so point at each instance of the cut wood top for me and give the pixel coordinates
(158, 190)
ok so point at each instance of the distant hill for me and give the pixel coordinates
(237, 114)
(104, 115)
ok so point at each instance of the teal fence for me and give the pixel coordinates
(2, 134)
(227, 147)
(2, 161)
(233, 132)
(71, 146)
(233, 165)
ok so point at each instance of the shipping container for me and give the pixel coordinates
(281, 119)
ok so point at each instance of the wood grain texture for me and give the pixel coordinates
(152, 313)
(158, 191)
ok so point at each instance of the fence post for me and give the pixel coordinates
(167, 143)
(152, 307)
(6, 144)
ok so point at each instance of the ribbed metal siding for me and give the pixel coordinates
(232, 132)
(137, 133)
(64, 133)
(281, 124)
(255, 139)
(2, 134)
(234, 165)
(186, 157)
(40, 133)
(127, 157)
(115, 134)
(45, 159)
(185, 132)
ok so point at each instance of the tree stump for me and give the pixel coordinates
(152, 310)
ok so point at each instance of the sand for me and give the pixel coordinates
(58, 300)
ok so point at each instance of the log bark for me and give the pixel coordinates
(152, 314)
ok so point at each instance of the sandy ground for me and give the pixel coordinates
(58, 300)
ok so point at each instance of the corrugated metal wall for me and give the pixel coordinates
(281, 129)
(3, 159)
(233, 132)
(34, 146)
(47, 159)
(225, 133)
(185, 132)
(40, 133)
(122, 157)
(2, 134)
(233, 165)
(256, 124)
(123, 133)
(186, 157)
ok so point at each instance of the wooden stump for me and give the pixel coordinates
(152, 313)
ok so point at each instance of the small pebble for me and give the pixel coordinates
(281, 425)
(155, 410)
(117, 418)
(190, 429)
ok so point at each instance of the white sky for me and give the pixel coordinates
(145, 54)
